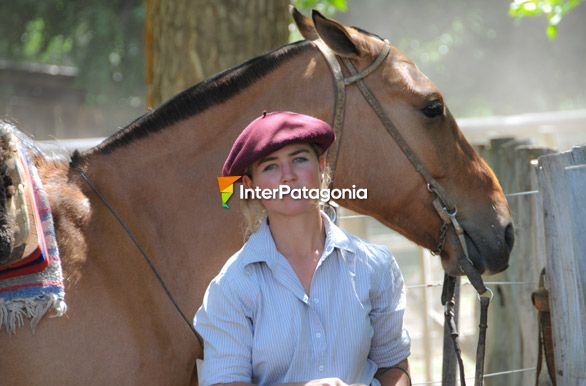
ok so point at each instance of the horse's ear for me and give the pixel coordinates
(304, 24)
(334, 35)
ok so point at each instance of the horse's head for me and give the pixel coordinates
(398, 194)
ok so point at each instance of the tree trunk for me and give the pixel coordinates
(187, 41)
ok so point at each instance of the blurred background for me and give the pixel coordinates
(81, 68)
(85, 68)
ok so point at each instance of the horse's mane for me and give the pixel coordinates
(198, 98)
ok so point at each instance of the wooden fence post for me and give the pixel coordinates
(513, 330)
(504, 347)
(564, 197)
(528, 256)
(577, 178)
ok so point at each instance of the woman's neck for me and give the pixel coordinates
(298, 237)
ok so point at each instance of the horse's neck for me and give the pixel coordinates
(164, 185)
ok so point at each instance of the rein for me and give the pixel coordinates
(441, 203)
(141, 250)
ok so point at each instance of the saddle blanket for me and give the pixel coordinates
(32, 287)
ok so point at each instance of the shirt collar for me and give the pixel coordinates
(261, 247)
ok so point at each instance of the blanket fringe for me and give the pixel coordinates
(14, 312)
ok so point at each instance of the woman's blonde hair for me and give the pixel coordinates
(253, 211)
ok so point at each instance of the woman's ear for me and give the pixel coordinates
(247, 181)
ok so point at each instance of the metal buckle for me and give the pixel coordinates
(486, 294)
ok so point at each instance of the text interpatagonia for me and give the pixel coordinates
(303, 193)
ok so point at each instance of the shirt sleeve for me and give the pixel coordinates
(226, 329)
(390, 342)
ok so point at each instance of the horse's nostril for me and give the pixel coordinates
(510, 236)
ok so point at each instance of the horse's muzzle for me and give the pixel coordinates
(488, 251)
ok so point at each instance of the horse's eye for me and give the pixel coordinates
(433, 109)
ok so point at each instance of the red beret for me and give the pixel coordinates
(272, 131)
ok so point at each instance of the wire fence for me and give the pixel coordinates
(424, 374)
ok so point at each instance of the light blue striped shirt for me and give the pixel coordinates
(259, 326)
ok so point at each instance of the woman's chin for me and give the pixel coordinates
(290, 207)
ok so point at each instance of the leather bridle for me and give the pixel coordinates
(446, 210)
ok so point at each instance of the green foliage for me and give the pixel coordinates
(102, 38)
(327, 7)
(554, 10)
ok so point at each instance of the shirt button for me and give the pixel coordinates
(318, 335)
(316, 300)
(306, 298)
(321, 368)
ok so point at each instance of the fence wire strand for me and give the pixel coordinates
(485, 376)
(526, 193)
(439, 284)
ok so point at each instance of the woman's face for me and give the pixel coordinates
(295, 165)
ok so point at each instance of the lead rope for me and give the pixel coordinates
(142, 252)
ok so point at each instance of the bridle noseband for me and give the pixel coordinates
(446, 210)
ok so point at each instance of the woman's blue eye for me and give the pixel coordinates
(299, 159)
(269, 167)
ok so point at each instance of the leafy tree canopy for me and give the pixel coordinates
(327, 7)
(554, 10)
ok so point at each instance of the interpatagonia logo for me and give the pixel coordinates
(226, 185)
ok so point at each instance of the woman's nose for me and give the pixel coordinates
(288, 172)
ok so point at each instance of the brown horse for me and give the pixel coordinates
(159, 174)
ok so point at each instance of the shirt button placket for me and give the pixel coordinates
(318, 337)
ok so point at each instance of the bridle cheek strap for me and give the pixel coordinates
(339, 103)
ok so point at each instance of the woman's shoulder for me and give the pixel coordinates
(377, 262)
(235, 282)
(235, 267)
(375, 255)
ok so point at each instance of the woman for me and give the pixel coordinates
(303, 301)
